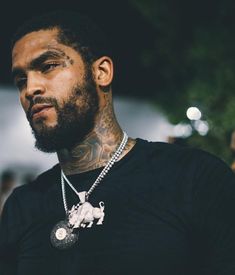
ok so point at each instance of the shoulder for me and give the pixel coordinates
(166, 149)
(40, 185)
(166, 152)
(185, 160)
(156, 148)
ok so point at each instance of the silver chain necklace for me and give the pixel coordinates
(65, 233)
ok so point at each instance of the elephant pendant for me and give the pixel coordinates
(83, 215)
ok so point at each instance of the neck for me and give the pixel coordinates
(98, 146)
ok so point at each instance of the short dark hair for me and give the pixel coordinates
(74, 30)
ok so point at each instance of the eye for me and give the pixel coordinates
(20, 82)
(49, 66)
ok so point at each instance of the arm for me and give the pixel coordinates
(214, 216)
(9, 237)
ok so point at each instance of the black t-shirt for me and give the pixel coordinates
(169, 210)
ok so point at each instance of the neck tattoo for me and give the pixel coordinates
(82, 215)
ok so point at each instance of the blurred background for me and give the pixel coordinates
(174, 75)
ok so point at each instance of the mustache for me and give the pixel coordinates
(40, 100)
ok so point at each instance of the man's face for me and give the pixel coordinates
(57, 91)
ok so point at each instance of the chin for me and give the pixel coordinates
(43, 123)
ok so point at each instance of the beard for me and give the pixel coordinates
(73, 122)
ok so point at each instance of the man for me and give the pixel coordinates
(113, 205)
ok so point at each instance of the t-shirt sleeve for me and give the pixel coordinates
(9, 236)
(214, 216)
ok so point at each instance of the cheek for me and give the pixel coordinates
(24, 103)
(64, 81)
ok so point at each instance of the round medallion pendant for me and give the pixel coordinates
(62, 236)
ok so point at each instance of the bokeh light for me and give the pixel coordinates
(193, 113)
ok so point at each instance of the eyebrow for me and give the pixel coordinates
(35, 63)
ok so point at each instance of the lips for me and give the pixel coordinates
(38, 109)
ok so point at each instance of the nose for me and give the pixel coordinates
(35, 85)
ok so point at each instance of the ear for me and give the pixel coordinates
(103, 71)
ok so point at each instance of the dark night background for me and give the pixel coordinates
(175, 53)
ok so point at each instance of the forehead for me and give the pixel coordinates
(35, 43)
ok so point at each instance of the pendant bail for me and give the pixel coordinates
(82, 196)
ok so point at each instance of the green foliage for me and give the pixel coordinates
(194, 58)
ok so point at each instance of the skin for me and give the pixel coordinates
(54, 74)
